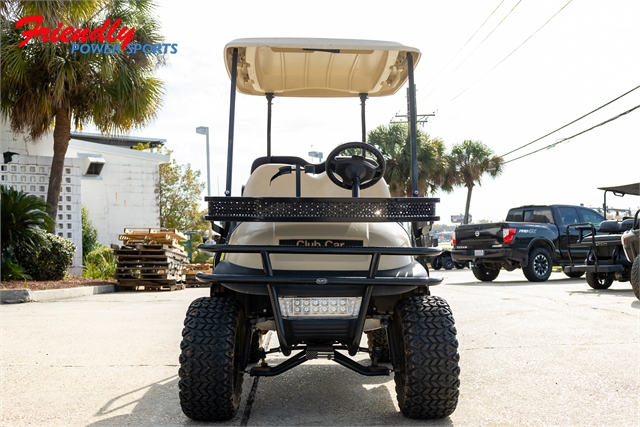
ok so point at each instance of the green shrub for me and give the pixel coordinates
(89, 234)
(22, 217)
(100, 264)
(11, 270)
(49, 262)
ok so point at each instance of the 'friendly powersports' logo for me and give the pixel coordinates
(107, 32)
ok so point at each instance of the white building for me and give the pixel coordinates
(118, 185)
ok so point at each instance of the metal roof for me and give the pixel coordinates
(304, 67)
(117, 140)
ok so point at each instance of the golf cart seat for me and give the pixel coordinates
(265, 182)
(613, 226)
(288, 160)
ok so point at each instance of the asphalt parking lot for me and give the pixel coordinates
(547, 354)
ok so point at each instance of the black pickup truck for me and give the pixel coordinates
(533, 238)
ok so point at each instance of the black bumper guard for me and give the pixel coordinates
(272, 281)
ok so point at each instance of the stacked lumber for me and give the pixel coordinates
(151, 259)
(152, 236)
(190, 271)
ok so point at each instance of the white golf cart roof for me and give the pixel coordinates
(301, 67)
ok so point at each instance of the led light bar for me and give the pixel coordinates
(341, 307)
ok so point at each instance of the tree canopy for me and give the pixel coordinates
(180, 196)
(393, 141)
(469, 161)
(46, 85)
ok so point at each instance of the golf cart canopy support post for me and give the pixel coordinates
(232, 110)
(413, 129)
(269, 103)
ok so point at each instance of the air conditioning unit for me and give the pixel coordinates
(92, 166)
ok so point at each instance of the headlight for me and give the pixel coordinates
(344, 307)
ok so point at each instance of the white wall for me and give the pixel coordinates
(125, 194)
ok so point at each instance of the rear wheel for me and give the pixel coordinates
(484, 273)
(635, 277)
(461, 265)
(436, 263)
(574, 274)
(378, 339)
(447, 263)
(539, 267)
(598, 281)
(211, 365)
(426, 372)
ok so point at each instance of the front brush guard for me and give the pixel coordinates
(272, 281)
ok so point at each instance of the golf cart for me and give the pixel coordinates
(611, 248)
(316, 254)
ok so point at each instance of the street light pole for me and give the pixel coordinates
(204, 130)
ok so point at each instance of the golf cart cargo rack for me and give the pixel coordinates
(325, 209)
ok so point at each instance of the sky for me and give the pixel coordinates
(501, 72)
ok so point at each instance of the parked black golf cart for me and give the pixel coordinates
(606, 259)
(316, 252)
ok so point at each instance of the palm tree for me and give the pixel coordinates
(393, 141)
(469, 161)
(23, 215)
(45, 85)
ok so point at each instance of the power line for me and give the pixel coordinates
(463, 46)
(505, 58)
(573, 136)
(473, 51)
(570, 123)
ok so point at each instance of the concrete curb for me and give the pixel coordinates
(15, 296)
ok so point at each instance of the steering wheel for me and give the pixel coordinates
(368, 171)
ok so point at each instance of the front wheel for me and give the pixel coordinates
(635, 277)
(436, 263)
(599, 281)
(484, 273)
(211, 364)
(426, 371)
(539, 267)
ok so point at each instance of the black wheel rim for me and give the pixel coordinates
(540, 265)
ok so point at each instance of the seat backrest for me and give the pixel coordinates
(289, 160)
(611, 226)
(260, 184)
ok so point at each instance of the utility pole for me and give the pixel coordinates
(421, 118)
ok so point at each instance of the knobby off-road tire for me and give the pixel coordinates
(485, 274)
(427, 372)
(635, 277)
(436, 263)
(210, 366)
(598, 282)
(540, 265)
(447, 263)
(378, 338)
(574, 274)
(254, 351)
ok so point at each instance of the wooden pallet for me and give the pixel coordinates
(150, 267)
(148, 285)
(168, 236)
